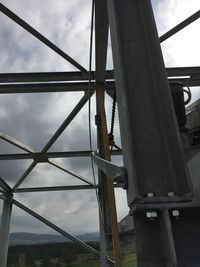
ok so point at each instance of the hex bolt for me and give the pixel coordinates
(151, 215)
(150, 194)
(175, 213)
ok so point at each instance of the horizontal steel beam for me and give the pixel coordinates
(42, 77)
(49, 76)
(65, 154)
(54, 188)
(40, 37)
(183, 71)
(45, 87)
(77, 86)
(79, 76)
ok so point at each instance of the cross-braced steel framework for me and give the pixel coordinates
(138, 65)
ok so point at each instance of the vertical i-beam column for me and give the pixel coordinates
(150, 140)
(4, 231)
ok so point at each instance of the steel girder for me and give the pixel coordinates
(158, 181)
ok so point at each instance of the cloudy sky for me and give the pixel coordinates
(32, 119)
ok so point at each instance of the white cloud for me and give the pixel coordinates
(182, 48)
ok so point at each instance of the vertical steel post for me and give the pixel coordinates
(151, 144)
(101, 43)
(4, 231)
(107, 183)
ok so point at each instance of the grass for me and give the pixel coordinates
(128, 259)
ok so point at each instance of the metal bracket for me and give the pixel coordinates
(118, 173)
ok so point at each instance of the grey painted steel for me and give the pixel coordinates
(60, 130)
(75, 76)
(76, 86)
(147, 121)
(152, 150)
(180, 26)
(59, 230)
(47, 87)
(4, 231)
(183, 71)
(109, 168)
(24, 77)
(54, 188)
(66, 154)
(39, 36)
(59, 166)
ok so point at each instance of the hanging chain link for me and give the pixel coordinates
(113, 113)
(111, 134)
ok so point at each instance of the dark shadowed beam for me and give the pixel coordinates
(183, 71)
(49, 76)
(40, 37)
(65, 154)
(76, 77)
(49, 87)
(101, 43)
(180, 26)
(43, 77)
(54, 188)
(193, 80)
(57, 188)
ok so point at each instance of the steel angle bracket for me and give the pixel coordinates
(118, 173)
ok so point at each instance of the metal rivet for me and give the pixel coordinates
(175, 213)
(151, 215)
(170, 194)
(150, 194)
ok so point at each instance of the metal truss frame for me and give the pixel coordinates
(102, 81)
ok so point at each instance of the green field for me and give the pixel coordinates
(65, 255)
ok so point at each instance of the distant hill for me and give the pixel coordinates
(30, 238)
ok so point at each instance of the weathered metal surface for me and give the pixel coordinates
(151, 145)
(112, 170)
